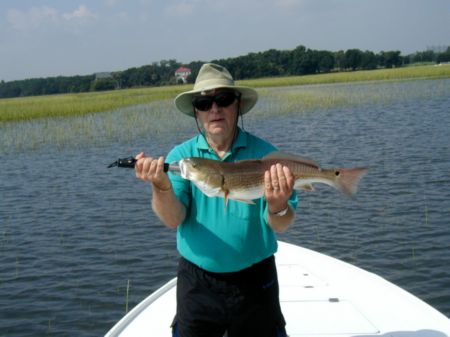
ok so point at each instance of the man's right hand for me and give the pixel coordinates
(152, 170)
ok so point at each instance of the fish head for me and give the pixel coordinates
(204, 174)
(191, 169)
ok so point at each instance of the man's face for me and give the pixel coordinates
(219, 120)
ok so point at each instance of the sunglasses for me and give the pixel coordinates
(223, 99)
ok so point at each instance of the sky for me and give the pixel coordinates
(43, 38)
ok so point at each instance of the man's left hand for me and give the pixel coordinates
(278, 186)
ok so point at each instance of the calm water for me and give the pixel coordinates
(73, 234)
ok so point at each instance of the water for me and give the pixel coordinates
(73, 233)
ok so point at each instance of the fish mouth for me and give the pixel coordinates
(184, 172)
(187, 170)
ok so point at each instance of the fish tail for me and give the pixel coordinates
(347, 179)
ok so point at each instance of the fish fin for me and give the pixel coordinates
(225, 195)
(306, 187)
(208, 190)
(289, 156)
(347, 179)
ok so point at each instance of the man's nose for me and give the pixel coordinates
(214, 107)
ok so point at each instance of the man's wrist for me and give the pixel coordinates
(281, 212)
(160, 189)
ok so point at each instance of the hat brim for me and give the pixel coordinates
(249, 97)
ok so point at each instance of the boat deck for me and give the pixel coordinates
(320, 296)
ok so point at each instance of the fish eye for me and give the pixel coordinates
(337, 173)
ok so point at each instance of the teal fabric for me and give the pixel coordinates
(216, 237)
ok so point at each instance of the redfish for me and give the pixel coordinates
(244, 180)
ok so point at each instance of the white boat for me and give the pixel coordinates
(320, 297)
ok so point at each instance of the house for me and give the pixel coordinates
(182, 73)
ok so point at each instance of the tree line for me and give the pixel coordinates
(299, 61)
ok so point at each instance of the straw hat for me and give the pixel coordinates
(210, 77)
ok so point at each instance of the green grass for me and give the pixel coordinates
(29, 108)
(412, 72)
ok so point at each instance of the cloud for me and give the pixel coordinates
(189, 7)
(31, 19)
(181, 9)
(112, 3)
(219, 4)
(288, 4)
(146, 2)
(82, 13)
(39, 17)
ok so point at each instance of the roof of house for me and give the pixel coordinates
(183, 70)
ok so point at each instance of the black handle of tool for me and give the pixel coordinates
(130, 162)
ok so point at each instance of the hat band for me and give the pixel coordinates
(213, 83)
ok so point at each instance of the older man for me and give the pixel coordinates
(227, 279)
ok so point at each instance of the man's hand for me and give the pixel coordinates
(279, 184)
(152, 170)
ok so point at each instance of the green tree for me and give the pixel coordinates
(326, 61)
(104, 84)
(444, 57)
(339, 58)
(353, 59)
(369, 60)
(391, 59)
(424, 56)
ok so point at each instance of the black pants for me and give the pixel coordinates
(244, 303)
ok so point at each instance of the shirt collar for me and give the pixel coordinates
(239, 142)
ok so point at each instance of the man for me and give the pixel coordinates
(227, 279)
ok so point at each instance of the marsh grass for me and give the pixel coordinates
(159, 118)
(122, 126)
(298, 99)
(412, 72)
(28, 108)
(127, 296)
(308, 98)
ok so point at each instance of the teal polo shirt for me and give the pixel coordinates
(218, 237)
